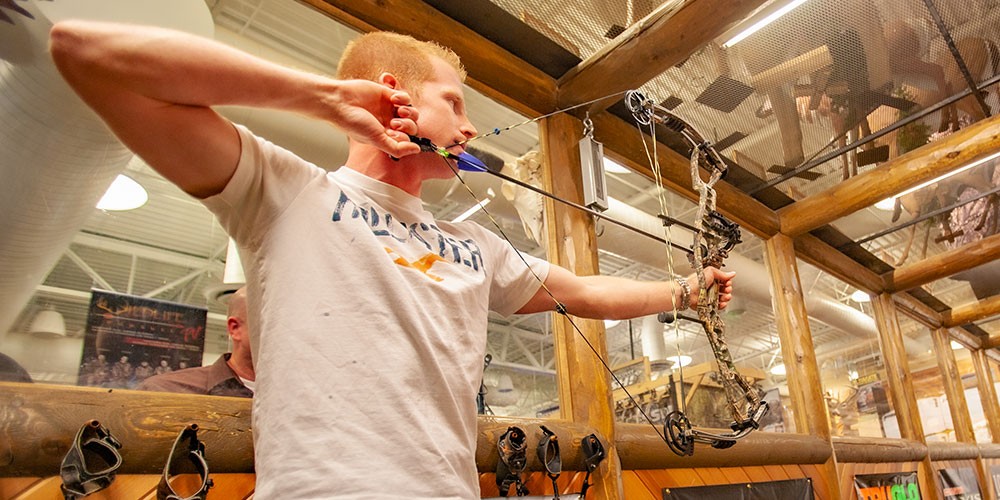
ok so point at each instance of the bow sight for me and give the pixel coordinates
(714, 236)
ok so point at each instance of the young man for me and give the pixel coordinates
(368, 316)
(231, 375)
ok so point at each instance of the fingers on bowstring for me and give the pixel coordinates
(397, 144)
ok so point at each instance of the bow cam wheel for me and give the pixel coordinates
(677, 430)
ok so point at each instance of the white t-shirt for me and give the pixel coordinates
(368, 329)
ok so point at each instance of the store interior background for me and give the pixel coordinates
(171, 248)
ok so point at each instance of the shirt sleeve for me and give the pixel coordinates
(516, 278)
(266, 181)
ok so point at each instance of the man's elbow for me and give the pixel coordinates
(68, 44)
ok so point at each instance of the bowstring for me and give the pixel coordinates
(653, 158)
(560, 307)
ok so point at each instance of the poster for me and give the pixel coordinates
(891, 486)
(129, 339)
(792, 489)
(959, 484)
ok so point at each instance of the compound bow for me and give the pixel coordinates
(714, 237)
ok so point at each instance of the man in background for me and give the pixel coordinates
(231, 375)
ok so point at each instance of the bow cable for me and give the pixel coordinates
(654, 161)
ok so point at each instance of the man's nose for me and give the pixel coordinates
(468, 129)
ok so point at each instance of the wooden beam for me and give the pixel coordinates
(664, 38)
(792, 322)
(583, 381)
(40, 420)
(642, 448)
(967, 313)
(898, 374)
(953, 389)
(967, 339)
(623, 141)
(820, 254)
(943, 264)
(492, 70)
(904, 399)
(910, 306)
(985, 383)
(893, 177)
(851, 449)
(805, 387)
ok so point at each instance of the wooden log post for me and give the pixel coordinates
(953, 389)
(804, 385)
(957, 404)
(904, 399)
(584, 382)
(987, 392)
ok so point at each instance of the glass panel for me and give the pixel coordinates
(928, 384)
(970, 384)
(851, 367)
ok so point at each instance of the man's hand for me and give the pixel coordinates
(375, 114)
(723, 281)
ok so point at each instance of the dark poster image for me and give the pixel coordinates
(892, 486)
(793, 489)
(129, 339)
(959, 484)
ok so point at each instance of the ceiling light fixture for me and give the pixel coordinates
(860, 296)
(123, 194)
(763, 22)
(611, 323)
(778, 369)
(48, 323)
(679, 360)
(615, 167)
(475, 208)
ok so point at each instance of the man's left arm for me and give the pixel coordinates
(610, 297)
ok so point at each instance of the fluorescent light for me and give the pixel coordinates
(778, 369)
(763, 22)
(611, 323)
(956, 345)
(888, 204)
(614, 167)
(859, 296)
(679, 360)
(475, 208)
(949, 174)
(123, 194)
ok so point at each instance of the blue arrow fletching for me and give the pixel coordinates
(470, 163)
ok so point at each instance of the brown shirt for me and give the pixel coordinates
(217, 379)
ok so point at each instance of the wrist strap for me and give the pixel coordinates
(685, 292)
(196, 454)
(91, 462)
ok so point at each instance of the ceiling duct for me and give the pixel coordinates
(56, 157)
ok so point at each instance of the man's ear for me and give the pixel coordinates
(389, 80)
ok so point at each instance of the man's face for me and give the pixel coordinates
(442, 114)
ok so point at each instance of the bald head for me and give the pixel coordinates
(238, 304)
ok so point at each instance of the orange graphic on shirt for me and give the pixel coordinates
(423, 264)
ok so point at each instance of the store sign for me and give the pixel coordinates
(129, 339)
(793, 489)
(959, 484)
(892, 486)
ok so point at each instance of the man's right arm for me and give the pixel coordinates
(155, 88)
